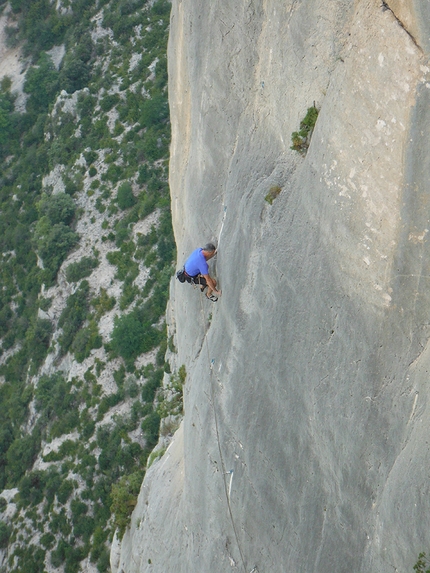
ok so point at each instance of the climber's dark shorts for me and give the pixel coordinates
(197, 280)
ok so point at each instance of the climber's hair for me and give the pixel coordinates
(209, 247)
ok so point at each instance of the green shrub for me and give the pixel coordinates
(103, 562)
(105, 405)
(113, 174)
(154, 111)
(45, 303)
(144, 174)
(155, 455)
(119, 376)
(129, 293)
(151, 429)
(75, 74)
(65, 491)
(31, 558)
(42, 84)
(59, 523)
(58, 556)
(53, 243)
(21, 455)
(74, 315)
(124, 499)
(49, 395)
(88, 426)
(90, 156)
(6, 120)
(38, 337)
(47, 540)
(125, 196)
(86, 340)
(78, 508)
(423, 564)
(301, 139)
(5, 531)
(131, 337)
(151, 386)
(86, 105)
(83, 527)
(122, 260)
(155, 145)
(59, 208)
(81, 269)
(161, 7)
(103, 303)
(72, 185)
(108, 102)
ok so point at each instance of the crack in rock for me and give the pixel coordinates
(385, 7)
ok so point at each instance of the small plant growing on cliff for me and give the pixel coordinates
(272, 194)
(301, 139)
(423, 564)
(155, 455)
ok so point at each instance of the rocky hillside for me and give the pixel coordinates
(87, 253)
(299, 144)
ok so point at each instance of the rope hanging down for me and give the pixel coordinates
(227, 489)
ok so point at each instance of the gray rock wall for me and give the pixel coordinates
(309, 378)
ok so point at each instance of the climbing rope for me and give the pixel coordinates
(227, 489)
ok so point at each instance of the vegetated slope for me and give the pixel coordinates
(86, 258)
(304, 445)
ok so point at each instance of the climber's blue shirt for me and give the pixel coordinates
(196, 263)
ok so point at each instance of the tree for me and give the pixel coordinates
(75, 75)
(85, 340)
(54, 243)
(74, 315)
(59, 208)
(81, 269)
(131, 336)
(154, 110)
(41, 83)
(6, 108)
(124, 499)
(20, 456)
(125, 196)
(38, 337)
(4, 534)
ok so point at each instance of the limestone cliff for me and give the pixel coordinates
(305, 444)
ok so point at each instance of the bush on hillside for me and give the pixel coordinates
(125, 196)
(42, 85)
(81, 269)
(59, 208)
(5, 532)
(74, 315)
(53, 244)
(131, 337)
(124, 499)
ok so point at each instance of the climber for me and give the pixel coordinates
(196, 271)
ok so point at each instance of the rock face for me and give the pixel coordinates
(305, 442)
